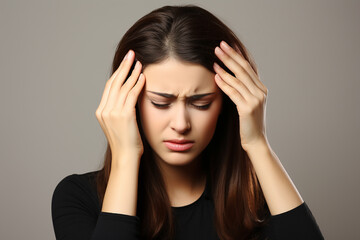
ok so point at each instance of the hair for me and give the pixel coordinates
(190, 33)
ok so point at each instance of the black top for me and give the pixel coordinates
(76, 214)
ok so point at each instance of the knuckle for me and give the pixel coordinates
(233, 91)
(243, 69)
(114, 114)
(105, 114)
(126, 83)
(120, 114)
(98, 114)
(108, 82)
(247, 65)
(261, 96)
(132, 93)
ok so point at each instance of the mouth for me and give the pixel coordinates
(179, 141)
(176, 146)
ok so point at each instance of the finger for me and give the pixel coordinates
(240, 73)
(134, 94)
(237, 56)
(104, 99)
(232, 93)
(106, 91)
(128, 85)
(119, 80)
(99, 110)
(233, 82)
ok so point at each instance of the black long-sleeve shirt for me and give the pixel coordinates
(76, 214)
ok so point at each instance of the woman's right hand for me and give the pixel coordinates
(116, 112)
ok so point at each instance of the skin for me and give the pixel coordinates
(249, 94)
(184, 178)
(116, 116)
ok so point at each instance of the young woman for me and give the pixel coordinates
(187, 155)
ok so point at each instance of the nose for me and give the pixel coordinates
(180, 121)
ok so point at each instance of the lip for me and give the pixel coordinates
(181, 141)
(178, 146)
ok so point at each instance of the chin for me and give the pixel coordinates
(177, 158)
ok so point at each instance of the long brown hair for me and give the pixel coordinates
(190, 33)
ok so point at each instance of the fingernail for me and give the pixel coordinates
(128, 54)
(125, 56)
(225, 45)
(137, 64)
(218, 50)
(217, 77)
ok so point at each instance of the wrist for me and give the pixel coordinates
(261, 144)
(122, 161)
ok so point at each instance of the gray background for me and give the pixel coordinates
(56, 57)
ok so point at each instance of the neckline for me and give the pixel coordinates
(196, 202)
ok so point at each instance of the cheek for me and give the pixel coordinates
(209, 123)
(206, 123)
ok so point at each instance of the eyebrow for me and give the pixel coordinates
(193, 97)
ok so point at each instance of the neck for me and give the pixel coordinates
(184, 184)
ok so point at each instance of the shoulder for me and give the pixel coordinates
(79, 189)
(77, 181)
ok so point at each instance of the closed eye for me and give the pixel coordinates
(162, 106)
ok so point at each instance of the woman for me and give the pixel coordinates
(188, 156)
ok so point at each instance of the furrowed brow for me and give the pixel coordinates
(193, 97)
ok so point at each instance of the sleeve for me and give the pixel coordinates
(74, 216)
(297, 224)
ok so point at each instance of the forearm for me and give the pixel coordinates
(121, 191)
(280, 193)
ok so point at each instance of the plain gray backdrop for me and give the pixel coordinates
(56, 57)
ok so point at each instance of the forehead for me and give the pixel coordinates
(178, 78)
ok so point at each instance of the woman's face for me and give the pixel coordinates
(181, 117)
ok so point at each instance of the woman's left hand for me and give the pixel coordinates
(246, 91)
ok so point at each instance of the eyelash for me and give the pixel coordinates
(166, 105)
